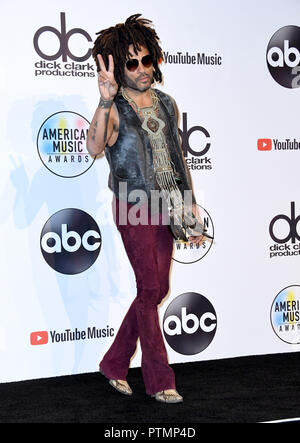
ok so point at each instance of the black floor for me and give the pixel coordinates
(239, 390)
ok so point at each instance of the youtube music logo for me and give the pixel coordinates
(264, 144)
(39, 338)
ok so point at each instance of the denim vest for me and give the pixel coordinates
(130, 158)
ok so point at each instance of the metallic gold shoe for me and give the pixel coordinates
(120, 385)
(165, 397)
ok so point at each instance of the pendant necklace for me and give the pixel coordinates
(162, 163)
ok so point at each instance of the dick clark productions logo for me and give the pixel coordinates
(63, 37)
(67, 60)
(283, 229)
(70, 241)
(283, 56)
(189, 323)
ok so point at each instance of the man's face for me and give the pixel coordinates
(140, 79)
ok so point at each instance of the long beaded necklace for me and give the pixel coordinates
(154, 126)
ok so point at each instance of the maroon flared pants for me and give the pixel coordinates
(149, 249)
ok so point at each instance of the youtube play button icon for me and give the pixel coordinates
(39, 338)
(264, 144)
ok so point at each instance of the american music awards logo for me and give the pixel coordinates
(285, 314)
(189, 252)
(61, 143)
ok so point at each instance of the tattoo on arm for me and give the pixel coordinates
(94, 130)
(106, 121)
(106, 125)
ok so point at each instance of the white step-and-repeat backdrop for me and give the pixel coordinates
(234, 69)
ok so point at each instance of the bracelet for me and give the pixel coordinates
(104, 103)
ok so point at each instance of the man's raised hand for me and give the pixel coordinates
(108, 86)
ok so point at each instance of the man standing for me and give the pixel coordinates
(137, 127)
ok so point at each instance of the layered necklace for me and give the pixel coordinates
(162, 163)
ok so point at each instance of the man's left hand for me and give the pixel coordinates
(199, 239)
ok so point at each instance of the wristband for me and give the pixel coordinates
(105, 103)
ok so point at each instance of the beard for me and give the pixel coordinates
(134, 84)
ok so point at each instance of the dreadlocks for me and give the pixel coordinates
(116, 40)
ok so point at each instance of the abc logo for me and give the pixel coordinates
(291, 221)
(70, 241)
(283, 56)
(189, 323)
(63, 37)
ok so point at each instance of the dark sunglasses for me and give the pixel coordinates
(133, 63)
